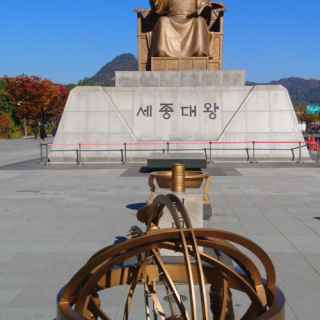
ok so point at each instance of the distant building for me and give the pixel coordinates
(310, 119)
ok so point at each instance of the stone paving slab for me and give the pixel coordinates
(13, 151)
(52, 221)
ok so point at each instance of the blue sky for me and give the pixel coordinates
(67, 40)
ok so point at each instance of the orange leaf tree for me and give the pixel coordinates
(58, 103)
(35, 99)
(6, 124)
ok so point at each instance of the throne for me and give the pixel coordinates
(146, 23)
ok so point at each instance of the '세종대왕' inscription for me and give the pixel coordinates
(166, 110)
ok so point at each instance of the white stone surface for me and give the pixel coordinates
(106, 117)
(194, 78)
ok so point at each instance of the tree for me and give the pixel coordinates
(58, 103)
(36, 101)
(5, 106)
(6, 125)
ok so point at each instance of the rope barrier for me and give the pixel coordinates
(249, 148)
(171, 142)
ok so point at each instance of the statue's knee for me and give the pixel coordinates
(164, 20)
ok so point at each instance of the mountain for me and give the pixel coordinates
(106, 75)
(302, 91)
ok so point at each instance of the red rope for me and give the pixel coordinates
(164, 143)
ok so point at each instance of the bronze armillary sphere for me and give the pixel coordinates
(179, 273)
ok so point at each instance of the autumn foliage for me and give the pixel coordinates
(35, 99)
(5, 121)
(5, 125)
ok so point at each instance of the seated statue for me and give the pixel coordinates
(183, 28)
(180, 29)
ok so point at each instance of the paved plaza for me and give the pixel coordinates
(53, 219)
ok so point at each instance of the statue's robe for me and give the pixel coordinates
(183, 28)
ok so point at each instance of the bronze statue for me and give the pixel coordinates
(181, 29)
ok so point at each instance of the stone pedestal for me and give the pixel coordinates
(180, 78)
(146, 108)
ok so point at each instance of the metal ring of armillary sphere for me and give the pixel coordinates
(178, 273)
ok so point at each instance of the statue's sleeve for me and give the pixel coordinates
(214, 18)
(160, 7)
(211, 11)
(202, 4)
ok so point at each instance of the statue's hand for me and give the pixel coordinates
(217, 7)
(140, 10)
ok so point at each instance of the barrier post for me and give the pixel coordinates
(248, 154)
(125, 152)
(210, 151)
(79, 154)
(168, 147)
(205, 154)
(300, 152)
(254, 152)
(122, 156)
(47, 155)
(41, 152)
(293, 154)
